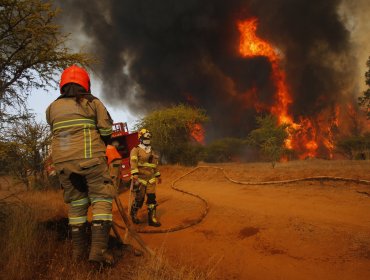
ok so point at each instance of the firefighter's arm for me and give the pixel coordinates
(157, 174)
(104, 121)
(134, 158)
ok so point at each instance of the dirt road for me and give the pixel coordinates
(306, 230)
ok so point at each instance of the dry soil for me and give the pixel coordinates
(304, 230)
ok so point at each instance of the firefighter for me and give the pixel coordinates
(114, 164)
(81, 128)
(145, 176)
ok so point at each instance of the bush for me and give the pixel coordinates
(224, 150)
(269, 138)
(23, 150)
(187, 154)
(354, 147)
(172, 132)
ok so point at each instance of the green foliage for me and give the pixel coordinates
(224, 150)
(269, 138)
(190, 155)
(32, 50)
(23, 150)
(171, 132)
(355, 147)
(364, 100)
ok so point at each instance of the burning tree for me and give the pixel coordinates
(365, 100)
(32, 49)
(176, 132)
(269, 138)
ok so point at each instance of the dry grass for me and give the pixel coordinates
(34, 246)
(25, 247)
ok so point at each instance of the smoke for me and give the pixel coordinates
(158, 53)
(355, 15)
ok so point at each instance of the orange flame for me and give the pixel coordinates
(197, 132)
(302, 136)
(251, 46)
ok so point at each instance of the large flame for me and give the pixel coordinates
(303, 136)
(251, 46)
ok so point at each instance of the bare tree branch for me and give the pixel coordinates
(32, 51)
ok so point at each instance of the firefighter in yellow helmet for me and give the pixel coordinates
(81, 128)
(145, 176)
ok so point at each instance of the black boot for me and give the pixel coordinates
(79, 241)
(133, 214)
(152, 220)
(138, 203)
(99, 244)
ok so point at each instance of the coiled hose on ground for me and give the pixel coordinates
(205, 203)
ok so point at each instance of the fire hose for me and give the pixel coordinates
(205, 203)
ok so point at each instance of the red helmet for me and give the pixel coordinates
(77, 75)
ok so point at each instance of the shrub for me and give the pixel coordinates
(172, 132)
(354, 147)
(269, 138)
(224, 150)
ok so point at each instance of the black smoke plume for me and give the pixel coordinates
(162, 52)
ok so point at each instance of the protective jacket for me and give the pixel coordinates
(78, 128)
(144, 164)
(114, 162)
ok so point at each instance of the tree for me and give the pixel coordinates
(224, 150)
(354, 147)
(24, 149)
(32, 49)
(172, 132)
(269, 138)
(364, 100)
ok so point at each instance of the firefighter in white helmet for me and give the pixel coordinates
(145, 176)
(81, 128)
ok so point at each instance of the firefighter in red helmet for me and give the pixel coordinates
(145, 174)
(81, 128)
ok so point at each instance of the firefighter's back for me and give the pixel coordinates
(75, 134)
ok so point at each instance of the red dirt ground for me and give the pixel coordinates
(305, 230)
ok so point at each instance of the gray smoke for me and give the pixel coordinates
(162, 52)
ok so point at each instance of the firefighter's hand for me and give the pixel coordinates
(159, 180)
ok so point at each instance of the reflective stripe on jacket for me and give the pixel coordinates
(77, 128)
(144, 165)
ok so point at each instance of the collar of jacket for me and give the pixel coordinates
(87, 96)
(147, 149)
(74, 90)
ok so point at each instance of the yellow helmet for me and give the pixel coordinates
(144, 133)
